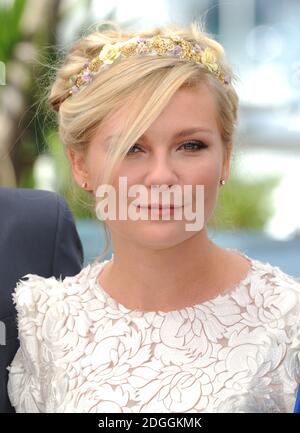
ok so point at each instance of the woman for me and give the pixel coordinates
(173, 322)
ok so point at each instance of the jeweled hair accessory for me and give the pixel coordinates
(155, 46)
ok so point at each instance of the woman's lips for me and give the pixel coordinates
(159, 210)
(159, 206)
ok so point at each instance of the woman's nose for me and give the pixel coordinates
(161, 171)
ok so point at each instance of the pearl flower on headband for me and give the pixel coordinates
(156, 46)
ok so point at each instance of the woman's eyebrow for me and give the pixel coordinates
(185, 132)
(179, 134)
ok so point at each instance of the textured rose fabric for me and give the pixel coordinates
(81, 351)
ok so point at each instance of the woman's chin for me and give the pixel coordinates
(161, 236)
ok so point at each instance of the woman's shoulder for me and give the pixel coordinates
(50, 319)
(275, 276)
(272, 289)
(51, 310)
(35, 293)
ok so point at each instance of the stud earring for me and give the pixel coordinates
(222, 182)
(84, 185)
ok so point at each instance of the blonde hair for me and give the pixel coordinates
(149, 82)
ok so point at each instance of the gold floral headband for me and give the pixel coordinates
(157, 45)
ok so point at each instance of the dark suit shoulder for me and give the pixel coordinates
(19, 203)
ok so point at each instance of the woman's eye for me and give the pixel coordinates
(194, 146)
(191, 146)
(132, 147)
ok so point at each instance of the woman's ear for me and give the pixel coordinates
(77, 162)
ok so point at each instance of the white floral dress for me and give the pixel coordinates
(81, 351)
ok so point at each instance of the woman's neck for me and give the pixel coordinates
(169, 279)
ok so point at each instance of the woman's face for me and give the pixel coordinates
(163, 157)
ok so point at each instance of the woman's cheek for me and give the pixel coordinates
(211, 187)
